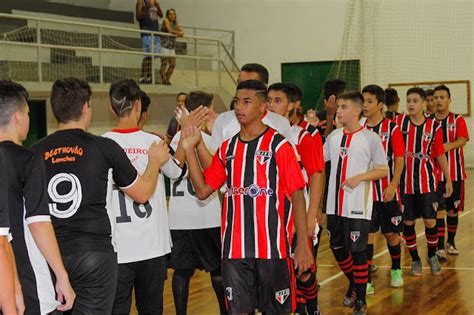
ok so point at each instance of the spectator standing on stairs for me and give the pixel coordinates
(147, 14)
(168, 44)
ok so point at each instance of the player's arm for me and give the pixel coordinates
(378, 172)
(459, 143)
(45, 239)
(303, 259)
(145, 185)
(191, 138)
(438, 152)
(7, 278)
(315, 195)
(398, 148)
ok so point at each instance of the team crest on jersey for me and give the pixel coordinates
(282, 295)
(263, 156)
(396, 220)
(343, 153)
(355, 235)
(427, 136)
(383, 136)
(451, 127)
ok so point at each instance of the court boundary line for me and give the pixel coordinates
(340, 273)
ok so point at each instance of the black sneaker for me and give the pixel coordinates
(360, 308)
(350, 297)
(317, 311)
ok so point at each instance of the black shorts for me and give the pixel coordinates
(196, 249)
(147, 277)
(455, 201)
(419, 206)
(264, 284)
(353, 234)
(93, 276)
(387, 217)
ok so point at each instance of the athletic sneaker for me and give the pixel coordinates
(374, 268)
(350, 297)
(396, 278)
(435, 266)
(452, 250)
(360, 308)
(370, 288)
(441, 253)
(317, 311)
(416, 269)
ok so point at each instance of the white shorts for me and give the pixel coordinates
(168, 52)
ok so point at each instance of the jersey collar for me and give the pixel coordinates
(129, 130)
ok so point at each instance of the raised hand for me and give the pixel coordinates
(190, 137)
(159, 152)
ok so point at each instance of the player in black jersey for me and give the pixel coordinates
(34, 242)
(77, 166)
(7, 273)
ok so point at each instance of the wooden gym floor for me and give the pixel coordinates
(450, 293)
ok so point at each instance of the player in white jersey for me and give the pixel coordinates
(195, 226)
(140, 231)
(357, 158)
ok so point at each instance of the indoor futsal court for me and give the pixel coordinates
(419, 296)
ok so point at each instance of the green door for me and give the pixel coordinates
(37, 121)
(310, 78)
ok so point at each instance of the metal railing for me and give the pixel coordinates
(107, 47)
(227, 37)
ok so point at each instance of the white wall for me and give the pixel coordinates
(269, 32)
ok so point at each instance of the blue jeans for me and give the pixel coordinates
(146, 43)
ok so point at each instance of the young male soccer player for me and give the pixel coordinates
(227, 125)
(357, 159)
(195, 225)
(262, 175)
(77, 166)
(455, 136)
(392, 101)
(34, 242)
(424, 143)
(140, 231)
(281, 100)
(386, 212)
(7, 270)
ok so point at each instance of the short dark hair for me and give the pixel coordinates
(198, 98)
(297, 93)
(123, 94)
(375, 90)
(13, 97)
(68, 96)
(354, 96)
(334, 87)
(181, 93)
(258, 86)
(417, 90)
(285, 88)
(442, 87)
(429, 92)
(257, 68)
(146, 101)
(391, 96)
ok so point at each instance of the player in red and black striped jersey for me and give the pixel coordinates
(455, 136)
(392, 101)
(264, 195)
(386, 213)
(424, 144)
(281, 100)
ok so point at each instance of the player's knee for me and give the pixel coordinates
(184, 273)
(429, 223)
(392, 238)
